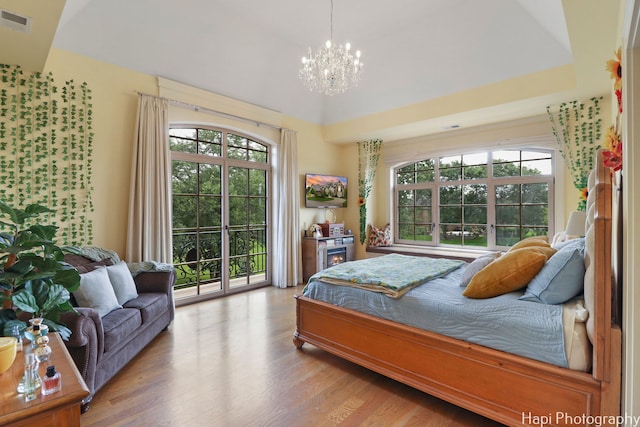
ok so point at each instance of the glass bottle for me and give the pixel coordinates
(42, 350)
(23, 381)
(15, 332)
(30, 373)
(51, 381)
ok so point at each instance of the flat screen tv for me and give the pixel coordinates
(325, 191)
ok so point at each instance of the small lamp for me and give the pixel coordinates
(576, 223)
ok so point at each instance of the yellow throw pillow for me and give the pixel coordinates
(512, 271)
(548, 251)
(542, 241)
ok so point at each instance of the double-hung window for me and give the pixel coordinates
(485, 200)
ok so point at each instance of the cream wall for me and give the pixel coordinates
(114, 98)
(115, 105)
(317, 156)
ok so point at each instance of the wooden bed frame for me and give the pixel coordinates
(509, 389)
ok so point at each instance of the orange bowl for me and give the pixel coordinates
(7, 353)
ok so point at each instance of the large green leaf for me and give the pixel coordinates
(64, 332)
(25, 301)
(15, 275)
(50, 297)
(29, 239)
(9, 211)
(39, 281)
(7, 315)
(69, 278)
(46, 232)
(21, 267)
(36, 209)
(7, 326)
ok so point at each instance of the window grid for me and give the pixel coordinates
(483, 200)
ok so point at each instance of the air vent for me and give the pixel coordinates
(14, 21)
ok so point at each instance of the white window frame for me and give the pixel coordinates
(552, 181)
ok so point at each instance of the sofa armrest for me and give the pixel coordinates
(158, 281)
(86, 343)
(86, 328)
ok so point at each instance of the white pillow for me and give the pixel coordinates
(475, 266)
(122, 282)
(95, 291)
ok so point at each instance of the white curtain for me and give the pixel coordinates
(149, 228)
(287, 258)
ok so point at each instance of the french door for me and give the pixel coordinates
(220, 187)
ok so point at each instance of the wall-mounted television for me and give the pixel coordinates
(325, 191)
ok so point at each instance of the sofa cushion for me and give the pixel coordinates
(151, 305)
(122, 282)
(96, 292)
(118, 325)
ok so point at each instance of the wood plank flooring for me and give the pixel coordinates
(231, 362)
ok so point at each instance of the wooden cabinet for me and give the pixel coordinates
(323, 252)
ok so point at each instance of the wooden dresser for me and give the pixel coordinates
(58, 409)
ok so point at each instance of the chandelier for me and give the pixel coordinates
(331, 69)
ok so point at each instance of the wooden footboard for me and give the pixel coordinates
(500, 386)
(509, 389)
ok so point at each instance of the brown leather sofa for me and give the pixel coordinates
(100, 347)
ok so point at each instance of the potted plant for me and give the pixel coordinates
(34, 278)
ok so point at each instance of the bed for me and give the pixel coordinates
(511, 388)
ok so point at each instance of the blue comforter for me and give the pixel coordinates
(503, 323)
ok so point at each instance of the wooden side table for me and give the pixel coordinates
(58, 409)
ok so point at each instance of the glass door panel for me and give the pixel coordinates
(247, 228)
(197, 228)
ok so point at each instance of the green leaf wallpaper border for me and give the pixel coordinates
(46, 149)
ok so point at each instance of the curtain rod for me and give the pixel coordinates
(200, 108)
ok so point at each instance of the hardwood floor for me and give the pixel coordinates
(231, 362)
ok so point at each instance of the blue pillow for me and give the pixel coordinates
(561, 278)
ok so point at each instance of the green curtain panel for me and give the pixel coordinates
(577, 127)
(368, 156)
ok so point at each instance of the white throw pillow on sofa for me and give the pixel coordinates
(122, 282)
(95, 291)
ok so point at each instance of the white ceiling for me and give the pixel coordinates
(429, 64)
(413, 50)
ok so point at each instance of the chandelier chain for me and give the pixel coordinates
(331, 22)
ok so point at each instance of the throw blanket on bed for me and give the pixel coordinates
(393, 274)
